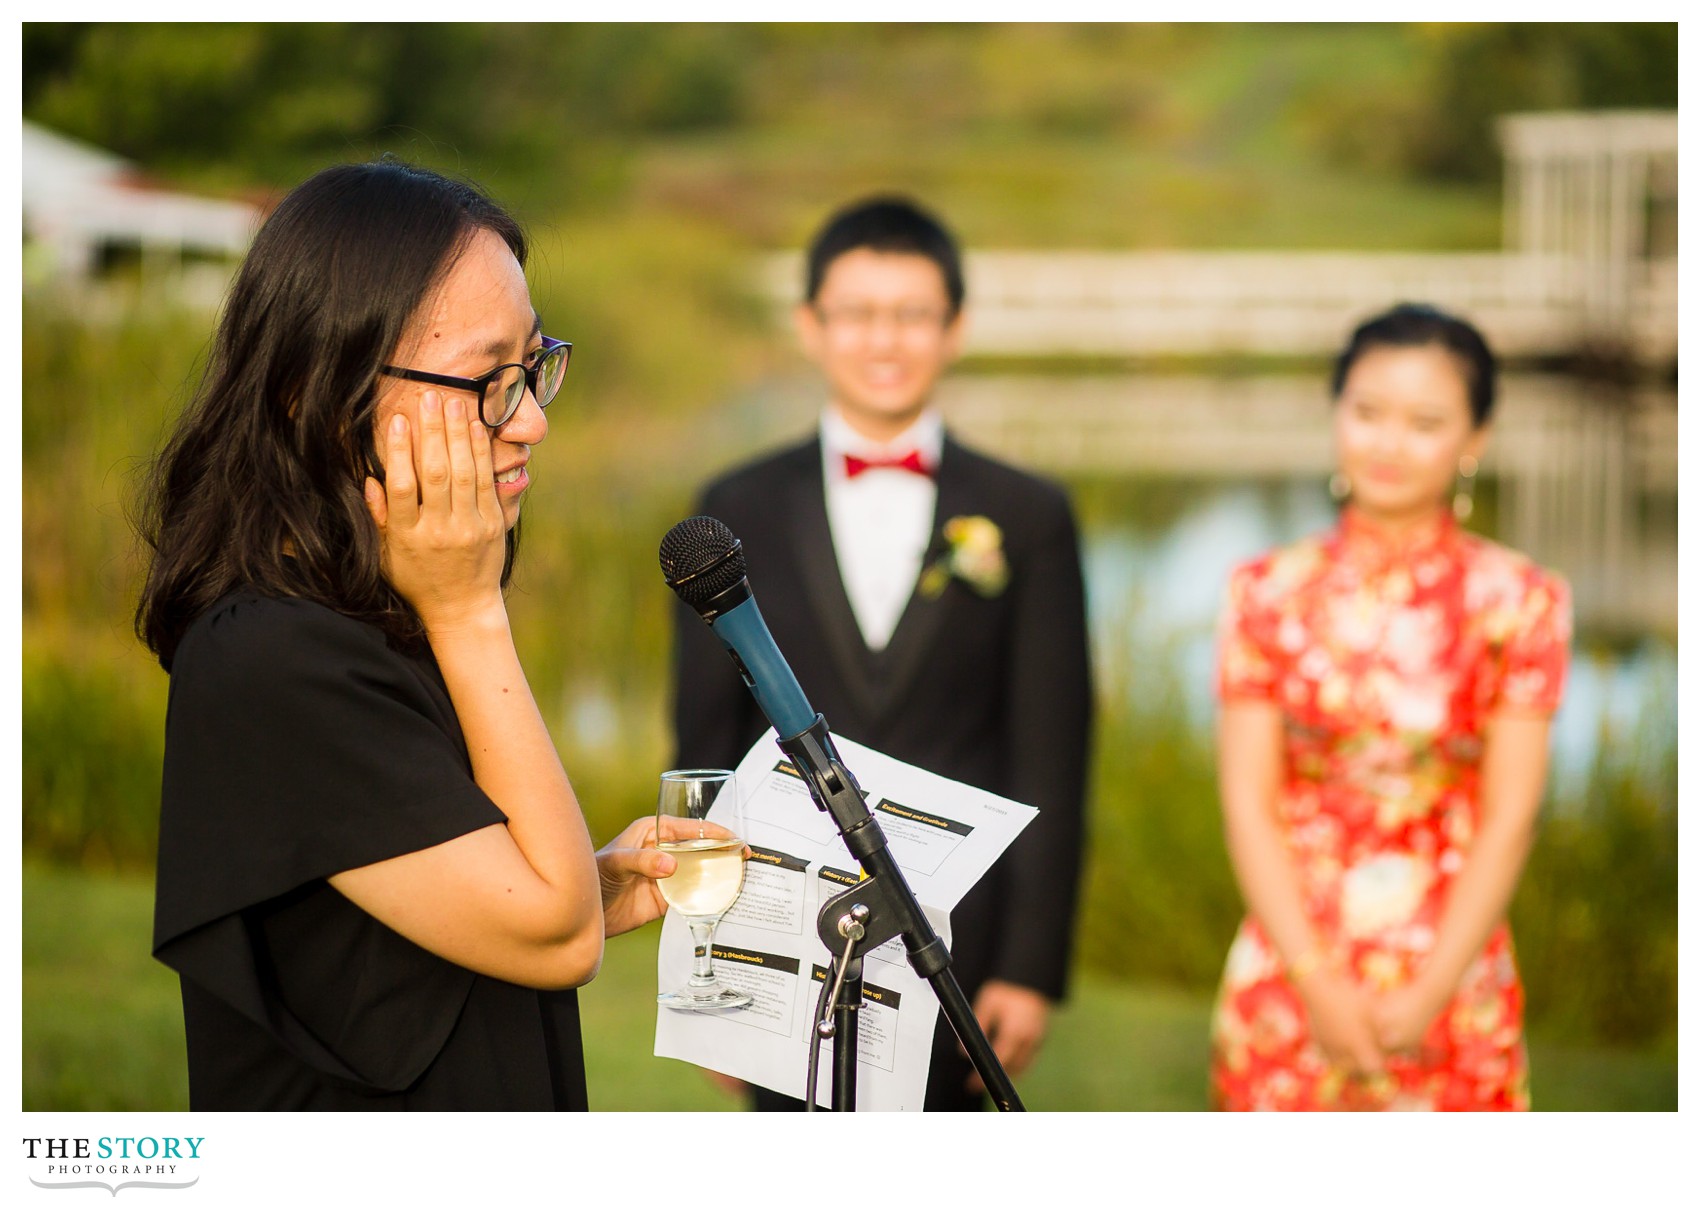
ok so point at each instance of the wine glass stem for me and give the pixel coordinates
(702, 946)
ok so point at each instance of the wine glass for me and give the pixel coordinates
(698, 822)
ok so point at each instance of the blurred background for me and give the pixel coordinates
(1170, 229)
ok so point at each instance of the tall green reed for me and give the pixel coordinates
(1595, 917)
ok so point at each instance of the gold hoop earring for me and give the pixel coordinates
(1339, 486)
(1464, 495)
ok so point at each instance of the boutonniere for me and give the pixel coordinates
(973, 552)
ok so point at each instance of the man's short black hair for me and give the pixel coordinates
(886, 224)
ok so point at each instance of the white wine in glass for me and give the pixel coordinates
(698, 822)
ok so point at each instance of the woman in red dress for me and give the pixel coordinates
(1386, 693)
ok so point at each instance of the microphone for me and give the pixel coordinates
(703, 563)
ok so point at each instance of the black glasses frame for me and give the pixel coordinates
(481, 385)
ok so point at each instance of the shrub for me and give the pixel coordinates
(1595, 917)
(93, 744)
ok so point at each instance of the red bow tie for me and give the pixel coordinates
(855, 465)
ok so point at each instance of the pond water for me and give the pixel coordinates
(1154, 591)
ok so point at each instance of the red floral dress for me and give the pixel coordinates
(1386, 657)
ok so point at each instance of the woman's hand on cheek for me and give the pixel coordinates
(438, 514)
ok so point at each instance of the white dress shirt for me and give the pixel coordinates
(881, 520)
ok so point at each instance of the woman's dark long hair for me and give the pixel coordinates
(260, 482)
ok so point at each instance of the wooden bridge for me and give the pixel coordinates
(1589, 266)
(1286, 303)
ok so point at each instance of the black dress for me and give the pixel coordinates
(299, 745)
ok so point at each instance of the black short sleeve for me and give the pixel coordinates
(299, 745)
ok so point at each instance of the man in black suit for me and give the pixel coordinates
(929, 600)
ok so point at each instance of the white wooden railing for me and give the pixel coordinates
(1287, 303)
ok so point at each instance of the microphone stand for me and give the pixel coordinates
(879, 908)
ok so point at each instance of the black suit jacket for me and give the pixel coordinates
(994, 692)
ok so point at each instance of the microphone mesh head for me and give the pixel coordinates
(700, 557)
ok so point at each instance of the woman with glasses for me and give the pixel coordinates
(374, 878)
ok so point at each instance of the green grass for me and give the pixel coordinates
(102, 1020)
(102, 1028)
(1113, 135)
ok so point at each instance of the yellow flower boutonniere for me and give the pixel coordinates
(973, 553)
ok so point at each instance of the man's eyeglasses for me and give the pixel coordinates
(861, 317)
(510, 381)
